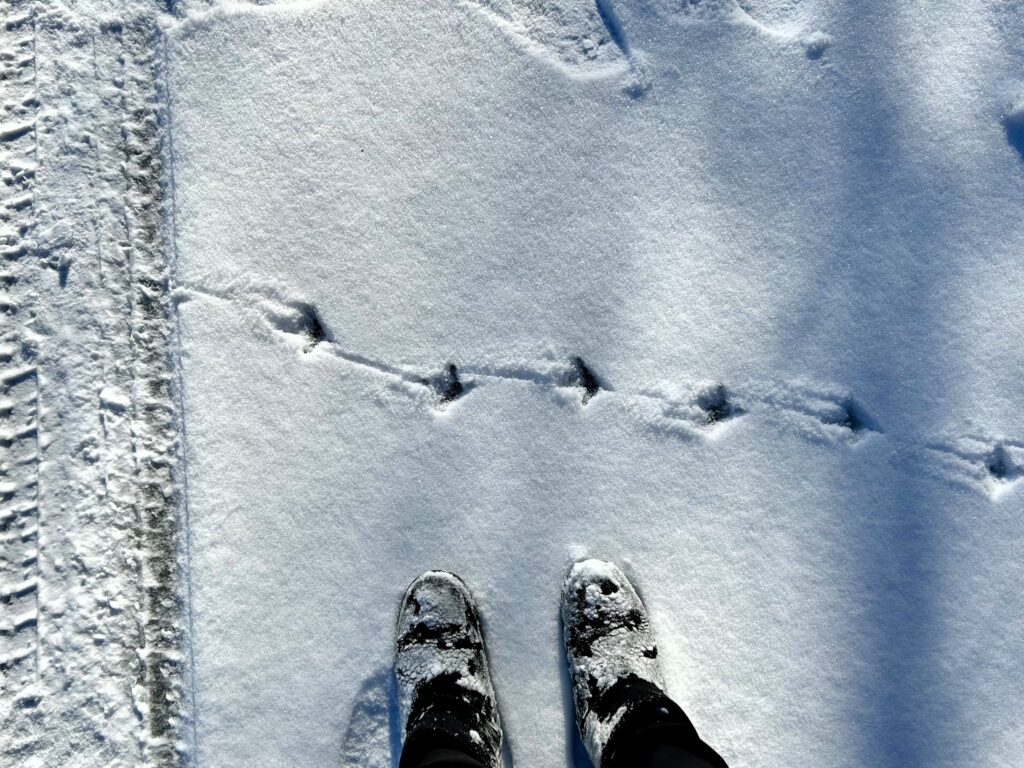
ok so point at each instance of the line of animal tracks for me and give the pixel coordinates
(695, 409)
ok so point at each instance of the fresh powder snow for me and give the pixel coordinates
(784, 243)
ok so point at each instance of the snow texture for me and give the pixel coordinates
(783, 241)
(90, 611)
(302, 300)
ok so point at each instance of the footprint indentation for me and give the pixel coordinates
(581, 376)
(1013, 124)
(447, 385)
(716, 405)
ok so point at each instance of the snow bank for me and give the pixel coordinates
(737, 307)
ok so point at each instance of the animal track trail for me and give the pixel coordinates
(992, 465)
(299, 319)
(827, 415)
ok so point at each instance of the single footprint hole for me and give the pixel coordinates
(717, 406)
(1001, 465)
(815, 44)
(446, 385)
(852, 416)
(313, 327)
(29, 701)
(581, 376)
(1013, 124)
(301, 319)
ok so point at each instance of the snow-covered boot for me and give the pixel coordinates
(613, 659)
(445, 697)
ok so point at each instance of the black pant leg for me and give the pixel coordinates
(440, 728)
(433, 749)
(664, 749)
(655, 733)
(447, 758)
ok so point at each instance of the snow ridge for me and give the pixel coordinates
(155, 447)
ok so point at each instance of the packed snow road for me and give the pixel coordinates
(307, 299)
(90, 640)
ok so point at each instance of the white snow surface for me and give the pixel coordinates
(815, 205)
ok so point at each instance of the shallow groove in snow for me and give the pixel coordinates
(578, 36)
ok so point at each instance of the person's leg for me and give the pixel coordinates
(448, 758)
(669, 756)
(434, 750)
(447, 708)
(655, 733)
(439, 727)
(624, 716)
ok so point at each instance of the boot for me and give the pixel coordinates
(445, 698)
(612, 656)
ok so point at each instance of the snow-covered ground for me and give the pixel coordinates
(816, 208)
(728, 291)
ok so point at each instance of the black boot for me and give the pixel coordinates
(625, 718)
(449, 715)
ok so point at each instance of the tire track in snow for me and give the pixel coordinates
(155, 428)
(87, 259)
(19, 380)
(19, 539)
